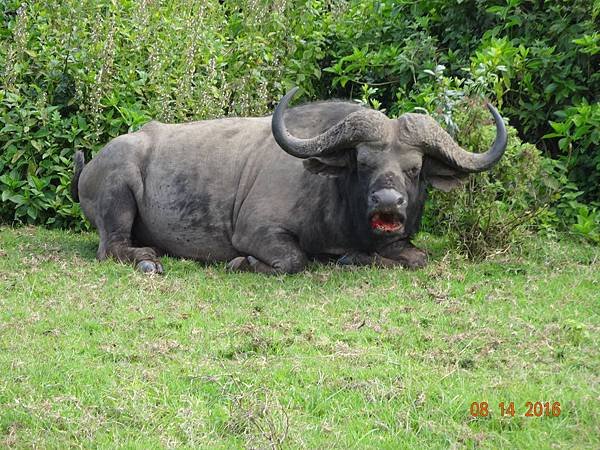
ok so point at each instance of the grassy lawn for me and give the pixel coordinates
(97, 355)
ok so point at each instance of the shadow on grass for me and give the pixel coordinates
(68, 244)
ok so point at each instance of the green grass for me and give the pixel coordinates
(97, 355)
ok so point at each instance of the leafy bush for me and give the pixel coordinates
(536, 60)
(35, 161)
(494, 209)
(579, 140)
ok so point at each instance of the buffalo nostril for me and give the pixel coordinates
(374, 199)
(400, 200)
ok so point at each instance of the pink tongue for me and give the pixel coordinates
(376, 222)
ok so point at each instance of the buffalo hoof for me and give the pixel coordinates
(356, 259)
(243, 264)
(414, 258)
(345, 260)
(149, 267)
(239, 264)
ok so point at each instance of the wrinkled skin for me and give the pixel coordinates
(224, 190)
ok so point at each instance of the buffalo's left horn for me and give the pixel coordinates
(426, 133)
(360, 126)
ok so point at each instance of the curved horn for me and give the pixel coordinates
(437, 143)
(360, 126)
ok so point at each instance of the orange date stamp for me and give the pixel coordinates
(532, 409)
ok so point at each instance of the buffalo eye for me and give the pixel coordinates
(412, 173)
(363, 165)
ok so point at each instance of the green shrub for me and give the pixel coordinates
(536, 60)
(579, 140)
(496, 209)
(36, 161)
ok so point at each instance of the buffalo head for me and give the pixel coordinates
(393, 159)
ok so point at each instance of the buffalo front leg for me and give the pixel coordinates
(405, 254)
(366, 259)
(272, 253)
(401, 253)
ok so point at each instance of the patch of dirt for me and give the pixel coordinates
(438, 295)
(344, 350)
(256, 416)
(373, 390)
(10, 439)
(162, 347)
(357, 322)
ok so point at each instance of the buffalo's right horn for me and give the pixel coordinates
(427, 134)
(360, 126)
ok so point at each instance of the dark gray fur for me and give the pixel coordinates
(223, 190)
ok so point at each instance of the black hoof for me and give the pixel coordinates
(355, 259)
(149, 267)
(345, 260)
(239, 264)
(414, 258)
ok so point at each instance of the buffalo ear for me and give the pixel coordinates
(329, 166)
(442, 176)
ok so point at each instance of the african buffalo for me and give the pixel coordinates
(267, 194)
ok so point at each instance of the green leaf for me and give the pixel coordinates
(17, 199)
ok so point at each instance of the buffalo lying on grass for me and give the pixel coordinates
(266, 194)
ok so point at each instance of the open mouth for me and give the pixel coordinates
(386, 222)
